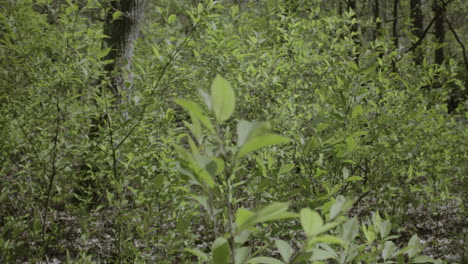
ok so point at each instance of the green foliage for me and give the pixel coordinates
(353, 152)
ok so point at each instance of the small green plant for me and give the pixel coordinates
(209, 167)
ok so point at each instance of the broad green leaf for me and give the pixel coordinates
(116, 15)
(171, 18)
(195, 251)
(369, 234)
(284, 249)
(221, 251)
(249, 129)
(311, 221)
(223, 100)
(200, 8)
(351, 143)
(197, 112)
(243, 216)
(388, 249)
(329, 239)
(241, 255)
(357, 110)
(385, 229)
(264, 260)
(354, 178)
(274, 211)
(285, 168)
(320, 254)
(415, 244)
(259, 142)
(350, 229)
(335, 209)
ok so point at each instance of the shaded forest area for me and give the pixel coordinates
(233, 131)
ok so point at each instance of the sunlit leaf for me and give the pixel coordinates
(311, 221)
(259, 142)
(221, 251)
(223, 99)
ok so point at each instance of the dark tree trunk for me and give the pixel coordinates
(122, 32)
(378, 23)
(396, 43)
(439, 11)
(417, 19)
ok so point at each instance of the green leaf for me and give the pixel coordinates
(311, 221)
(264, 260)
(388, 249)
(284, 249)
(354, 178)
(241, 255)
(285, 168)
(335, 209)
(250, 129)
(351, 143)
(274, 211)
(243, 216)
(259, 142)
(320, 254)
(116, 15)
(329, 239)
(201, 255)
(221, 251)
(223, 99)
(357, 110)
(415, 244)
(200, 8)
(385, 229)
(171, 19)
(369, 234)
(196, 111)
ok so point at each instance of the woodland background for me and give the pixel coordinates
(107, 156)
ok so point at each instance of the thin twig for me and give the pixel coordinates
(465, 59)
(423, 35)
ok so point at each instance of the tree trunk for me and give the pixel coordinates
(439, 11)
(378, 23)
(122, 26)
(396, 3)
(417, 19)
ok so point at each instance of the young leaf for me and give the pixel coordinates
(196, 111)
(329, 239)
(264, 260)
(116, 15)
(311, 221)
(195, 251)
(241, 255)
(284, 249)
(249, 129)
(274, 211)
(320, 254)
(415, 244)
(389, 248)
(336, 207)
(243, 216)
(171, 19)
(221, 251)
(223, 99)
(256, 143)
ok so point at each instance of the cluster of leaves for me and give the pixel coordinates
(210, 167)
